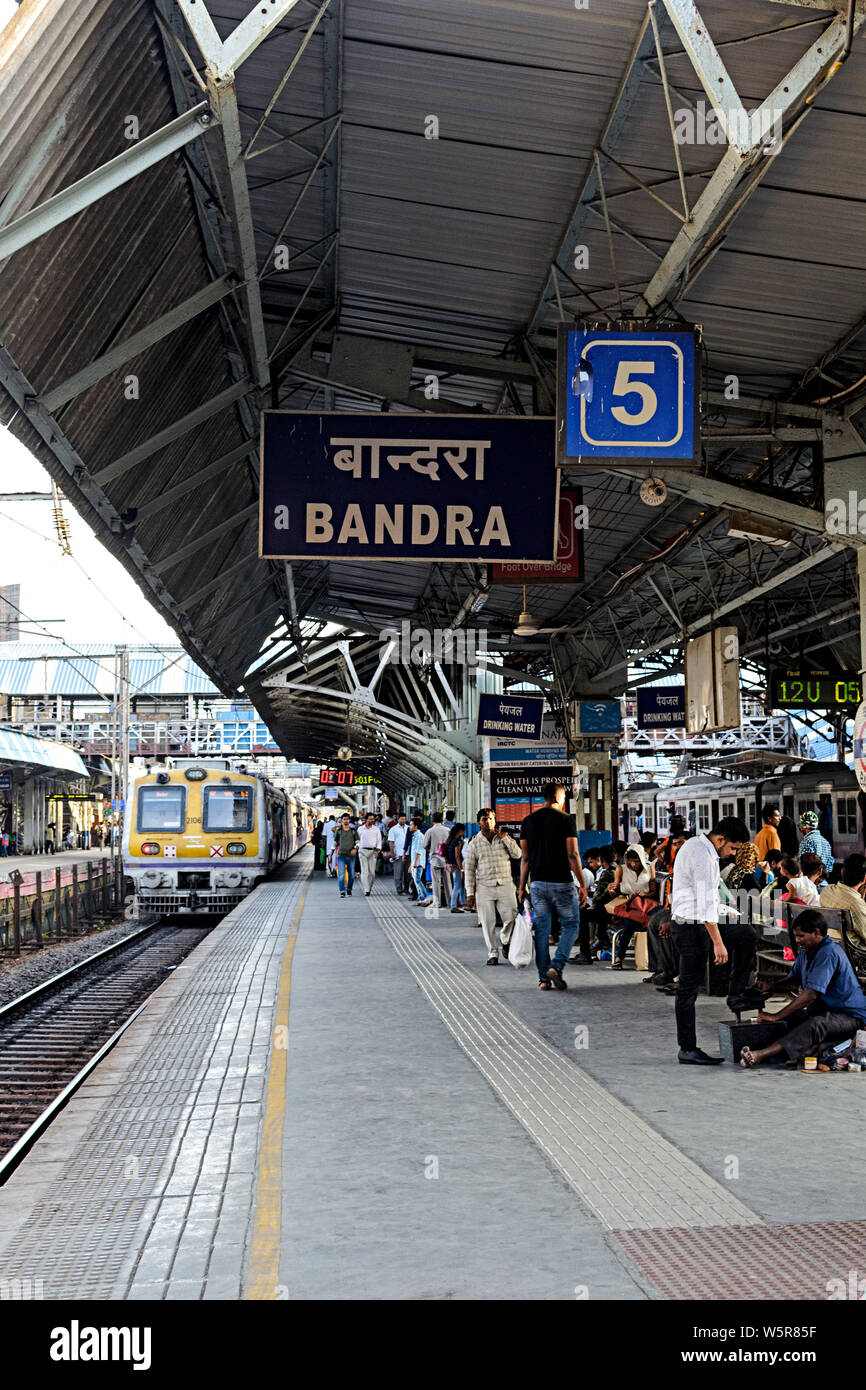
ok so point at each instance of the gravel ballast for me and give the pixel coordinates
(18, 974)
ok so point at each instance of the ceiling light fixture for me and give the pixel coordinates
(526, 624)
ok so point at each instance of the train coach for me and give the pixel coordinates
(830, 789)
(198, 836)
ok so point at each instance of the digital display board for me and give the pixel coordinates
(344, 777)
(830, 690)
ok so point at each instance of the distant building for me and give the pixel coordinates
(10, 612)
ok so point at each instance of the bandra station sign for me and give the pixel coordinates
(460, 488)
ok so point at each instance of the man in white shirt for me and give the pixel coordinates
(330, 832)
(397, 844)
(695, 926)
(370, 848)
(434, 841)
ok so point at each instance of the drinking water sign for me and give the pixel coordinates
(472, 488)
(625, 396)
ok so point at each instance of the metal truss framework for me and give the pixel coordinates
(743, 165)
(604, 644)
(350, 692)
(252, 365)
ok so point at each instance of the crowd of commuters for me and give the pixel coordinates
(97, 836)
(679, 889)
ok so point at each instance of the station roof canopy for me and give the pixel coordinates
(144, 321)
(23, 753)
(30, 671)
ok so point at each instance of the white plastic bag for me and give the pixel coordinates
(520, 945)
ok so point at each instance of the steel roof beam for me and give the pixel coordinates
(77, 478)
(213, 470)
(619, 112)
(139, 342)
(222, 59)
(173, 432)
(118, 171)
(206, 537)
(707, 63)
(713, 492)
(224, 100)
(733, 605)
(738, 163)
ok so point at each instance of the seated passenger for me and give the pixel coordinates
(595, 914)
(666, 849)
(830, 1005)
(769, 868)
(740, 877)
(849, 894)
(788, 868)
(633, 884)
(808, 884)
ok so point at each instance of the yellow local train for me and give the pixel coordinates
(198, 836)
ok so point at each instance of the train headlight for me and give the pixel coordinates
(150, 849)
(236, 848)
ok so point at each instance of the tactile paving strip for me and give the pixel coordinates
(82, 1240)
(756, 1262)
(596, 1142)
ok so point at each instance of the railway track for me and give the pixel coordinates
(53, 1037)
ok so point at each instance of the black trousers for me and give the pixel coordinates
(599, 919)
(662, 951)
(807, 1034)
(692, 941)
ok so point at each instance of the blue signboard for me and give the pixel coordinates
(471, 488)
(510, 716)
(600, 717)
(5, 782)
(661, 707)
(628, 396)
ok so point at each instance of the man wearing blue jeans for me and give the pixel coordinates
(548, 840)
(346, 843)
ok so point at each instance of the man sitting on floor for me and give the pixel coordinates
(830, 1005)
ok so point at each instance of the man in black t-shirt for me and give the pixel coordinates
(548, 839)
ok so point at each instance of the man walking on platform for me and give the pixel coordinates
(487, 867)
(346, 845)
(548, 839)
(370, 847)
(434, 843)
(418, 859)
(397, 837)
(330, 832)
(695, 912)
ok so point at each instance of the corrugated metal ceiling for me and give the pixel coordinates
(441, 242)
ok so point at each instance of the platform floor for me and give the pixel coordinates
(338, 1099)
(63, 859)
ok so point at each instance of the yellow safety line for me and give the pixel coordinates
(263, 1273)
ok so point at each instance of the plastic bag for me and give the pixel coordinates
(520, 945)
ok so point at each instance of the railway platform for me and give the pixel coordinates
(337, 1099)
(29, 864)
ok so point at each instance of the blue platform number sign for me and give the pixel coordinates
(627, 396)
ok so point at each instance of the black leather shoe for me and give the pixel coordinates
(698, 1058)
(749, 999)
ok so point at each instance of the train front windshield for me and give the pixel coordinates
(161, 808)
(228, 808)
